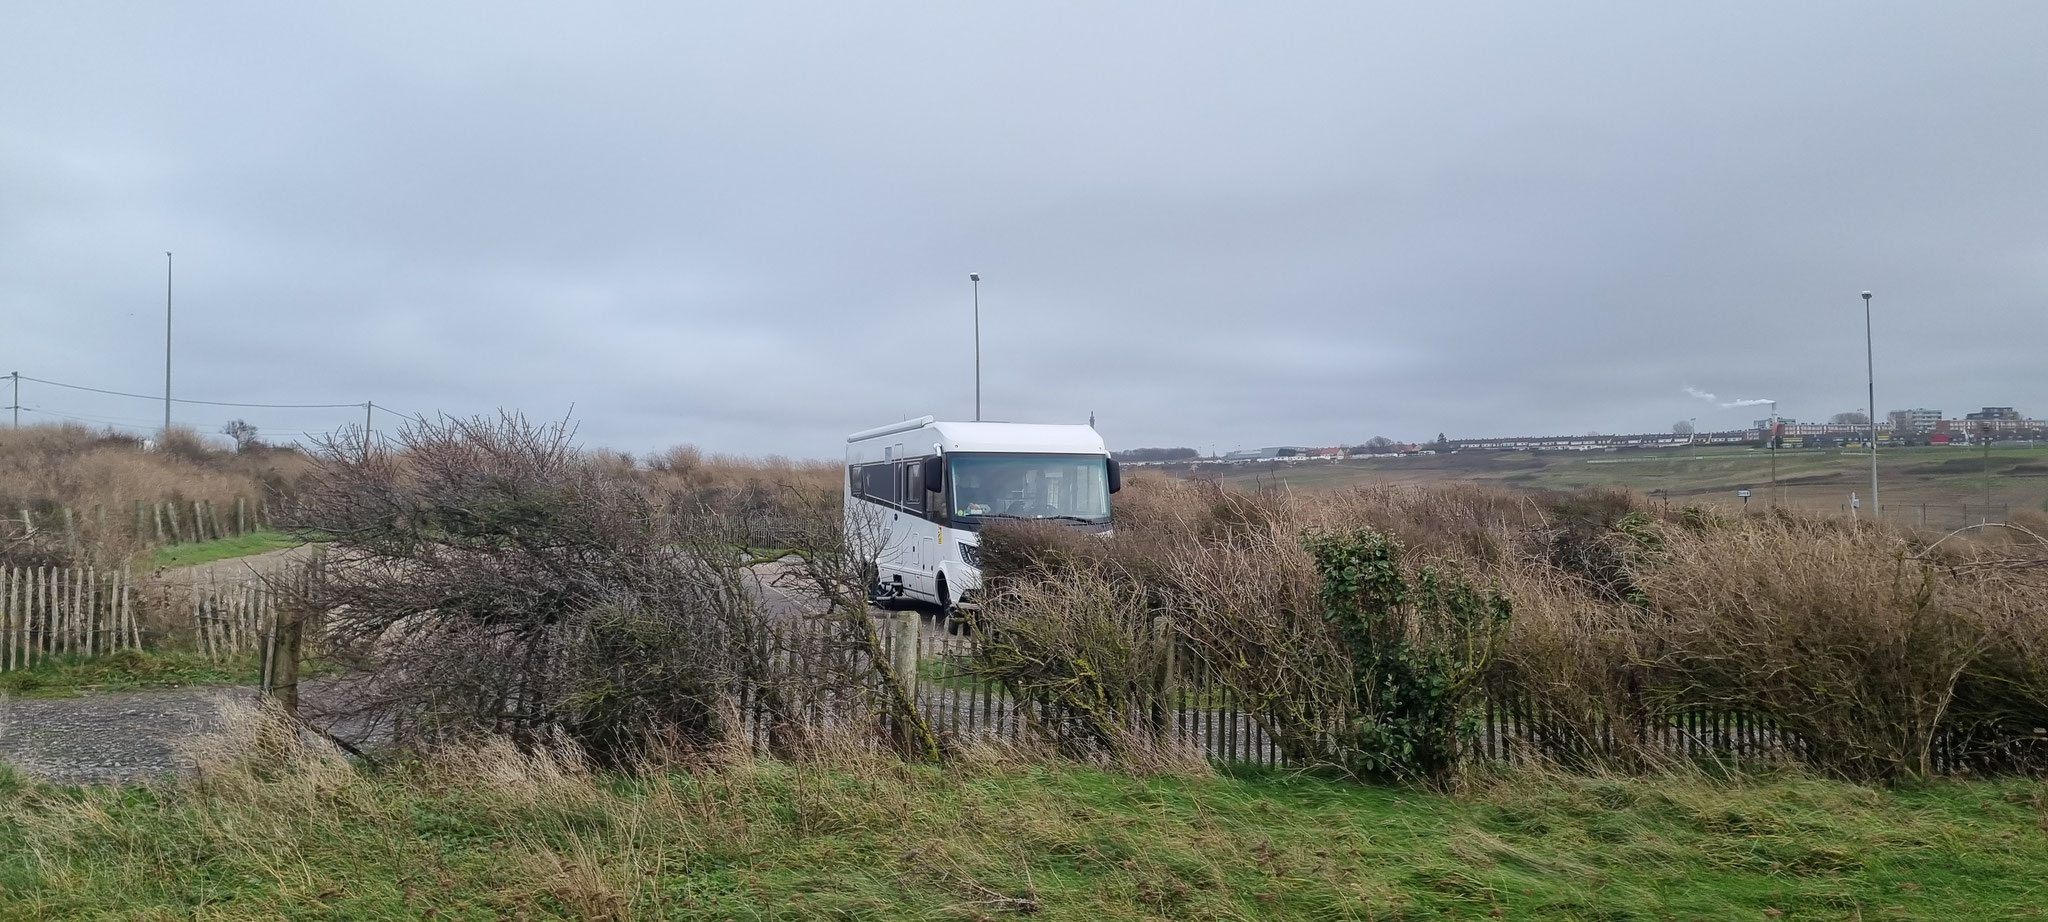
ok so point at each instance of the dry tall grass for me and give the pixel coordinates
(99, 475)
(1878, 652)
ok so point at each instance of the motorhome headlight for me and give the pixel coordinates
(970, 554)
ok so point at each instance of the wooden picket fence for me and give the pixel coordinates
(1188, 706)
(49, 611)
(143, 522)
(234, 618)
(815, 676)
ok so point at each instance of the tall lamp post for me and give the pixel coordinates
(167, 342)
(1774, 453)
(975, 277)
(1870, 367)
(1983, 435)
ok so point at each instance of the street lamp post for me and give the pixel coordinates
(1984, 435)
(975, 277)
(1773, 436)
(1870, 367)
(167, 342)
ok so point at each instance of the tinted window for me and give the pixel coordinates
(913, 486)
(879, 482)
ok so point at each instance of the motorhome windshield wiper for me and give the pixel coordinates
(1074, 518)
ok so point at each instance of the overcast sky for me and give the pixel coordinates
(749, 226)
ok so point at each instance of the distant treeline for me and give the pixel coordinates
(1157, 454)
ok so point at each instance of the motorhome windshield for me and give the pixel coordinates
(1030, 486)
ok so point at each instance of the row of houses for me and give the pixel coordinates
(1605, 442)
(1915, 426)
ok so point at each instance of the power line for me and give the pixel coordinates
(110, 422)
(209, 403)
(87, 417)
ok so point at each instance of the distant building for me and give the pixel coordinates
(1919, 419)
(1765, 423)
(1992, 413)
(1266, 454)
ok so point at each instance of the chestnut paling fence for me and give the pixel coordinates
(810, 673)
(54, 612)
(1187, 705)
(144, 523)
(49, 612)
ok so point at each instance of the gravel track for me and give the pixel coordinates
(126, 735)
(116, 736)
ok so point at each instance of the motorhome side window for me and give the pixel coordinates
(913, 486)
(878, 482)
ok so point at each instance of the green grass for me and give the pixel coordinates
(185, 555)
(128, 669)
(488, 836)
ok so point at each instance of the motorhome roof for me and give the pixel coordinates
(1032, 437)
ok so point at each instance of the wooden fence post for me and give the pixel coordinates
(141, 530)
(241, 516)
(906, 651)
(284, 668)
(128, 608)
(171, 514)
(1162, 710)
(7, 613)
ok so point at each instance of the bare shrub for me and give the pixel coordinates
(1574, 660)
(831, 570)
(1246, 608)
(1086, 655)
(496, 581)
(1840, 636)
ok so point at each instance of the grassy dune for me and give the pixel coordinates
(1817, 479)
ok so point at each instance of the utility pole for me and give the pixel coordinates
(1984, 430)
(17, 399)
(167, 342)
(1870, 360)
(975, 277)
(366, 428)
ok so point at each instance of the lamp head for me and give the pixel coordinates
(976, 277)
(1866, 296)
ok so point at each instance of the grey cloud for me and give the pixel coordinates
(750, 228)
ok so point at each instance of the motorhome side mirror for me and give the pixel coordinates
(1116, 476)
(935, 475)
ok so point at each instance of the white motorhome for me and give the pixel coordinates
(919, 491)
